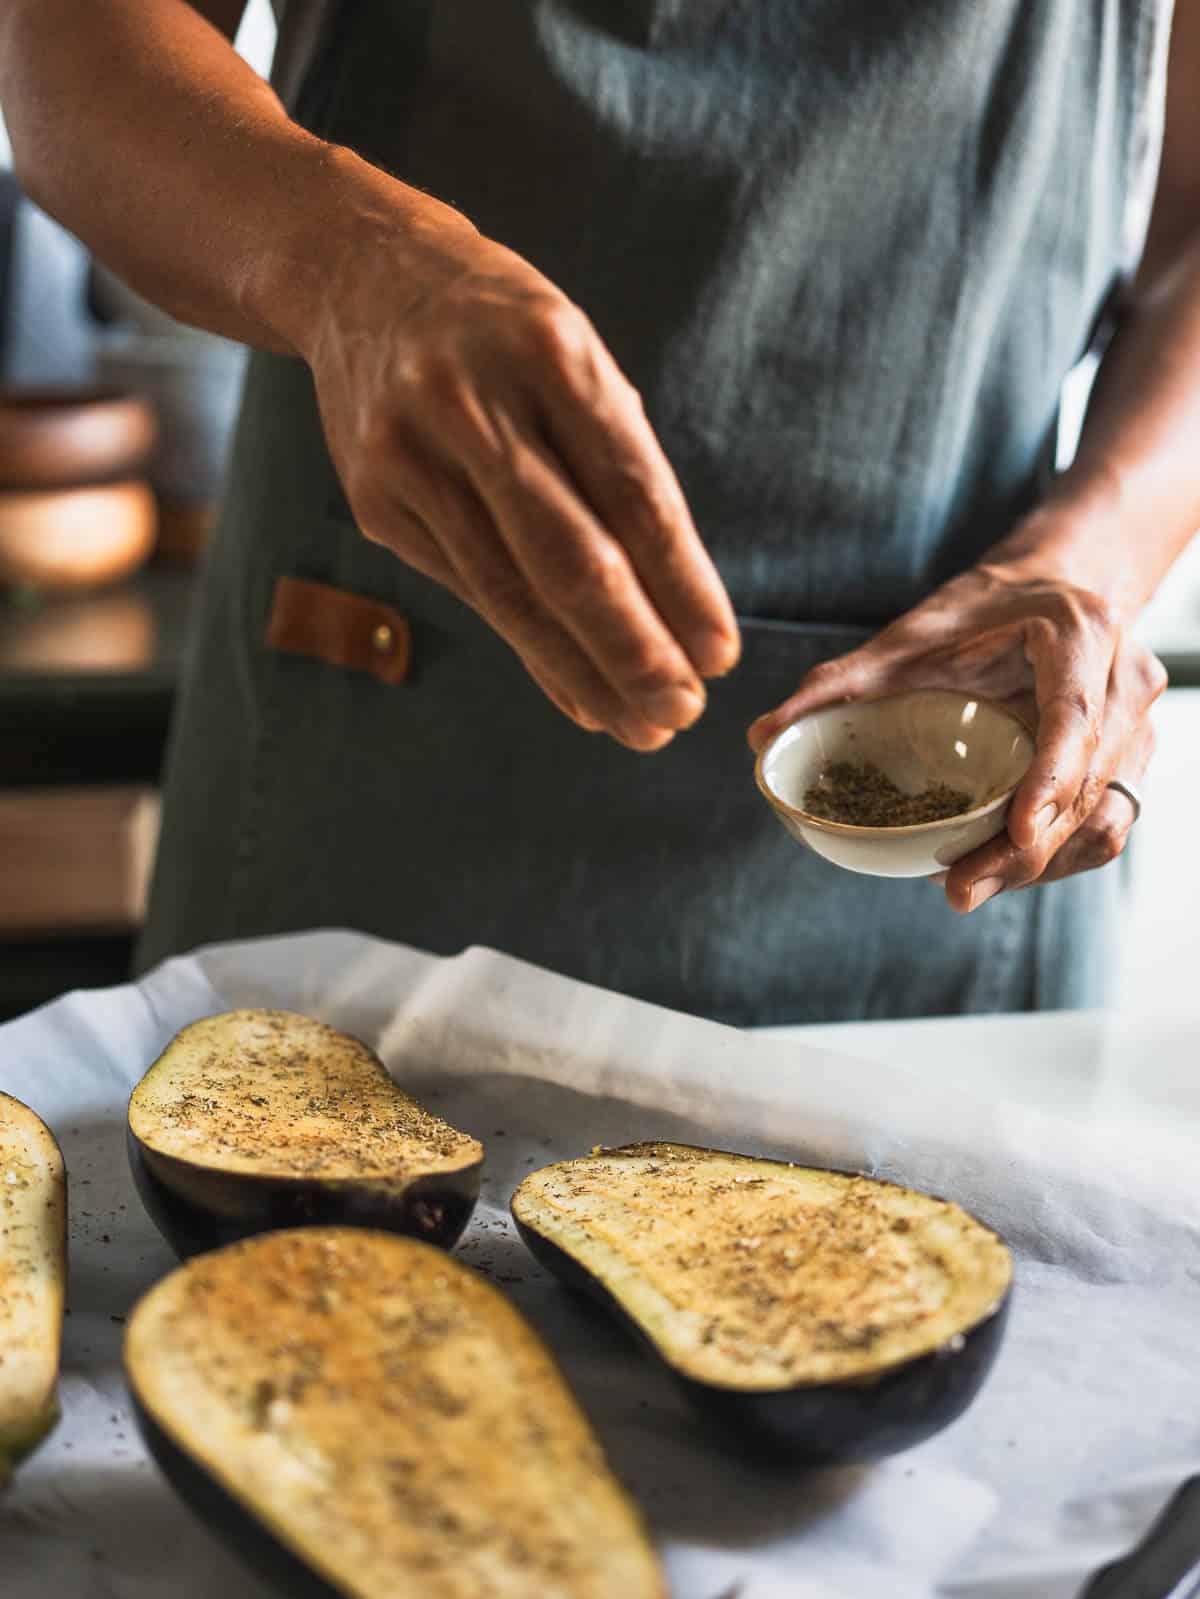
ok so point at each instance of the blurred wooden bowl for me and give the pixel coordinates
(65, 437)
(114, 631)
(75, 538)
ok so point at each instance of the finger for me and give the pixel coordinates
(584, 579)
(909, 653)
(579, 572)
(406, 535)
(632, 734)
(1103, 834)
(398, 528)
(597, 427)
(1072, 665)
(1080, 635)
(401, 531)
(1096, 842)
(930, 646)
(500, 594)
(1126, 745)
(581, 576)
(484, 577)
(860, 674)
(559, 698)
(1002, 864)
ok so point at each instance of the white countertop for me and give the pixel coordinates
(1113, 1068)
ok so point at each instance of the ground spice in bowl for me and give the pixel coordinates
(859, 794)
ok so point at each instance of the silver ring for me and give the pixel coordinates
(1130, 793)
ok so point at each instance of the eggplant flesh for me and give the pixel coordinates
(260, 1119)
(821, 1315)
(357, 1414)
(33, 1266)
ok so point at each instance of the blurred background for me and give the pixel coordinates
(114, 434)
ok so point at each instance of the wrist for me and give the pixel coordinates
(341, 213)
(1080, 536)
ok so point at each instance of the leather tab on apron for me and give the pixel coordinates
(341, 629)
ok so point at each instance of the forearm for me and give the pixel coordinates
(136, 124)
(1130, 502)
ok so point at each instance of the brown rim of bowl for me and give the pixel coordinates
(69, 437)
(829, 826)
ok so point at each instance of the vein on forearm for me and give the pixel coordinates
(1130, 502)
(137, 125)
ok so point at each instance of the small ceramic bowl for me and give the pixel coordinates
(927, 736)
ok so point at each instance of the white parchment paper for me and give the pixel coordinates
(1089, 1419)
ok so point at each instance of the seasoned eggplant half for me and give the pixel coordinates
(358, 1414)
(33, 1272)
(815, 1314)
(262, 1118)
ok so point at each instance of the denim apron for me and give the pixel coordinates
(847, 250)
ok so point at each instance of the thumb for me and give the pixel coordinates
(846, 677)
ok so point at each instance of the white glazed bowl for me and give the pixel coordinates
(927, 736)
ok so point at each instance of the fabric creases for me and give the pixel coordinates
(847, 253)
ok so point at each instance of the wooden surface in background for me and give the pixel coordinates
(74, 859)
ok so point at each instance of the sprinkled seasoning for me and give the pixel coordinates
(279, 1094)
(389, 1418)
(760, 1274)
(858, 793)
(32, 1276)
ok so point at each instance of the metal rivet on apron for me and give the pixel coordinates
(383, 639)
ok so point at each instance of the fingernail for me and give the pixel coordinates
(673, 707)
(716, 653)
(1045, 818)
(984, 889)
(640, 738)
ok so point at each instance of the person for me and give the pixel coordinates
(533, 286)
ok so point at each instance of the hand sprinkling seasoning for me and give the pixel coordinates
(858, 793)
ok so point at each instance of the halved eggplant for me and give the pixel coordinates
(359, 1414)
(258, 1119)
(33, 1273)
(819, 1315)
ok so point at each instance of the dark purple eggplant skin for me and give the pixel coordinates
(827, 1424)
(226, 1518)
(197, 1208)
